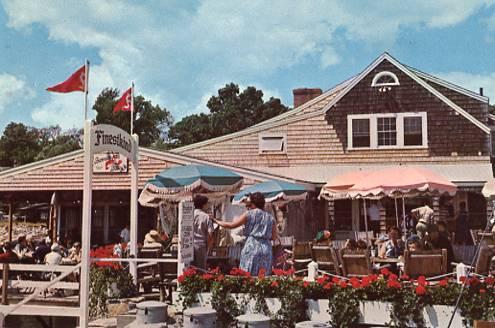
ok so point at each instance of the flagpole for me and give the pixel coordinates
(132, 108)
(86, 78)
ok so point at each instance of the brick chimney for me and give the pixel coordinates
(303, 95)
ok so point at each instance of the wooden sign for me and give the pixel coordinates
(110, 163)
(186, 230)
(110, 138)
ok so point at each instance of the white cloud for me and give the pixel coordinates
(472, 82)
(12, 90)
(177, 54)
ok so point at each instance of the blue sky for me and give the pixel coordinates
(180, 53)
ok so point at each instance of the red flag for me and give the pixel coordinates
(76, 82)
(124, 104)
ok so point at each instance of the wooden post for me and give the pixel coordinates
(10, 220)
(383, 218)
(5, 283)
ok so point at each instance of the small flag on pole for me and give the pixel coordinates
(76, 82)
(125, 102)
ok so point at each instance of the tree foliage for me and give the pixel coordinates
(150, 121)
(18, 145)
(21, 144)
(229, 111)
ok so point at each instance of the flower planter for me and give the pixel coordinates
(374, 312)
(437, 316)
(113, 290)
(318, 310)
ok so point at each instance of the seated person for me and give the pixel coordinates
(323, 236)
(413, 244)
(54, 257)
(152, 240)
(393, 247)
(40, 252)
(350, 244)
(8, 256)
(75, 253)
(22, 250)
(361, 244)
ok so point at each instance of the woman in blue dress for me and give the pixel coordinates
(260, 229)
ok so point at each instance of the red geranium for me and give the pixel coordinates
(355, 282)
(420, 290)
(274, 284)
(385, 271)
(327, 286)
(443, 283)
(393, 284)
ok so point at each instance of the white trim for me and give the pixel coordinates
(413, 76)
(399, 128)
(448, 85)
(381, 74)
(283, 136)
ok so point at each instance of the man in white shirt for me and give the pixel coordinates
(203, 231)
(125, 235)
(54, 257)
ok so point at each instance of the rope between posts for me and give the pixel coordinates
(332, 275)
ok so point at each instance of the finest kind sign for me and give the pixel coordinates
(106, 137)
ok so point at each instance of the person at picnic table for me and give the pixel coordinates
(424, 217)
(413, 243)
(54, 257)
(22, 250)
(41, 250)
(260, 229)
(393, 247)
(152, 240)
(202, 231)
(7, 256)
(75, 253)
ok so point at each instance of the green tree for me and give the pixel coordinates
(19, 144)
(150, 121)
(53, 141)
(230, 111)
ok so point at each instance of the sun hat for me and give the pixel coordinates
(152, 237)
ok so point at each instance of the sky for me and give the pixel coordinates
(179, 53)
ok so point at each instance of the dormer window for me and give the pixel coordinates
(384, 79)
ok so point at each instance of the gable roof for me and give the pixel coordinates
(447, 84)
(333, 95)
(293, 115)
(416, 78)
(65, 172)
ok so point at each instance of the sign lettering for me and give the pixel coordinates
(109, 138)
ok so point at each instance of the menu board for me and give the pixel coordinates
(186, 240)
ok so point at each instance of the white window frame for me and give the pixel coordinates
(272, 135)
(379, 75)
(399, 125)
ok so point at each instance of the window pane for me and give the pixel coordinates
(387, 131)
(413, 131)
(361, 132)
(272, 144)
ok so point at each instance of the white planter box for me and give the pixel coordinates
(318, 310)
(438, 316)
(376, 313)
(372, 312)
